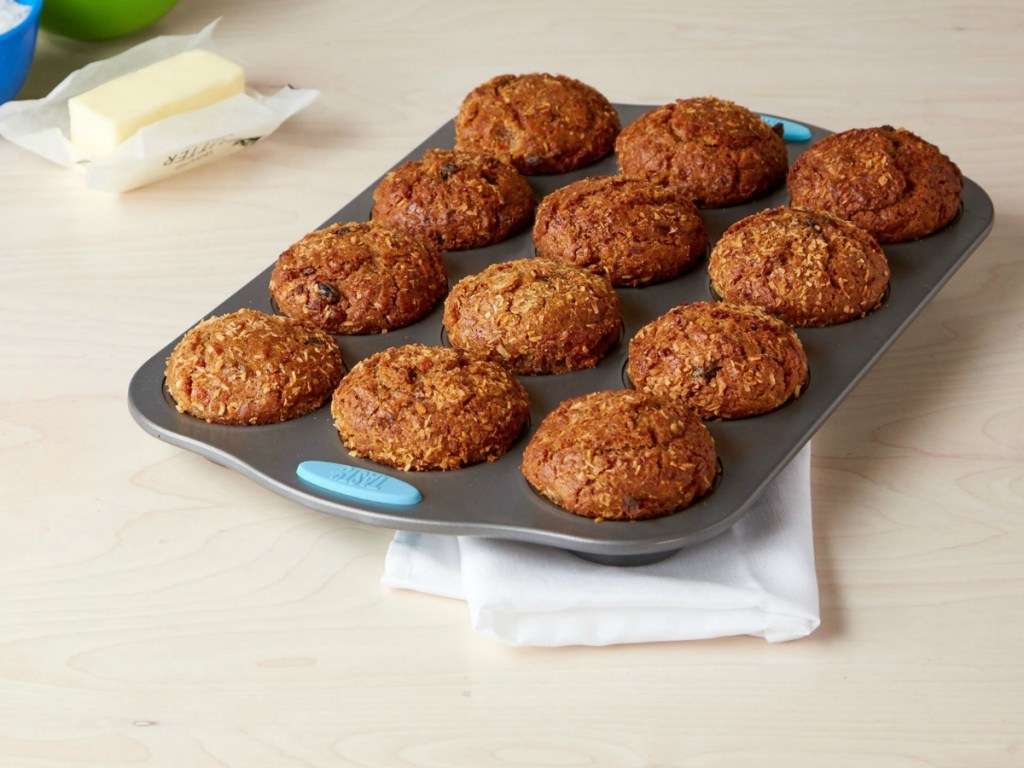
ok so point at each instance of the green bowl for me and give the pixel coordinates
(101, 19)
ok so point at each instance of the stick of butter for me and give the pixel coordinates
(110, 113)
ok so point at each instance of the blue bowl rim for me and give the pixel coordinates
(35, 6)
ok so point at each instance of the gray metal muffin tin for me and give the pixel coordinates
(493, 499)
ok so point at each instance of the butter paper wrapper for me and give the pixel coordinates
(161, 149)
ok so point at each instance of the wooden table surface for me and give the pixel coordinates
(159, 610)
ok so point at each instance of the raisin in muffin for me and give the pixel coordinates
(723, 361)
(717, 152)
(621, 455)
(248, 367)
(886, 180)
(534, 316)
(633, 231)
(359, 277)
(540, 123)
(808, 267)
(459, 200)
(418, 408)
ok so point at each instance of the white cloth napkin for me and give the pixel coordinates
(757, 578)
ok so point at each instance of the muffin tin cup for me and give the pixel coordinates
(493, 499)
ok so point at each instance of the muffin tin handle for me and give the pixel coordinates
(791, 131)
(358, 483)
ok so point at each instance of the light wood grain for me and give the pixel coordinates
(157, 610)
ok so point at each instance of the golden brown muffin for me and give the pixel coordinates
(534, 316)
(723, 361)
(717, 152)
(249, 367)
(359, 277)
(539, 123)
(632, 231)
(623, 455)
(892, 183)
(416, 408)
(459, 200)
(808, 267)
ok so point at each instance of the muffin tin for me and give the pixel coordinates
(493, 499)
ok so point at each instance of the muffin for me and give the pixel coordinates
(722, 361)
(807, 267)
(249, 367)
(717, 152)
(417, 408)
(539, 123)
(359, 277)
(534, 316)
(632, 231)
(622, 455)
(887, 180)
(459, 200)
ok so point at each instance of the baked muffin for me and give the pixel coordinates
(359, 277)
(622, 455)
(416, 407)
(808, 267)
(723, 361)
(457, 199)
(534, 316)
(632, 231)
(887, 180)
(249, 367)
(717, 152)
(539, 123)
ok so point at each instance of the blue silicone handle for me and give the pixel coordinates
(790, 131)
(358, 483)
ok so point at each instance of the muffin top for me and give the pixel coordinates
(248, 367)
(633, 231)
(723, 361)
(621, 455)
(886, 180)
(457, 199)
(717, 152)
(534, 316)
(808, 267)
(359, 277)
(416, 407)
(540, 123)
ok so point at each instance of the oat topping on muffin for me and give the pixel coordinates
(886, 180)
(633, 231)
(534, 316)
(359, 277)
(416, 407)
(538, 122)
(459, 200)
(808, 267)
(248, 367)
(723, 361)
(621, 455)
(719, 153)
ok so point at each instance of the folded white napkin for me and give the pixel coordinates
(757, 578)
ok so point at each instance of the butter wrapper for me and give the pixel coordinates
(159, 150)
